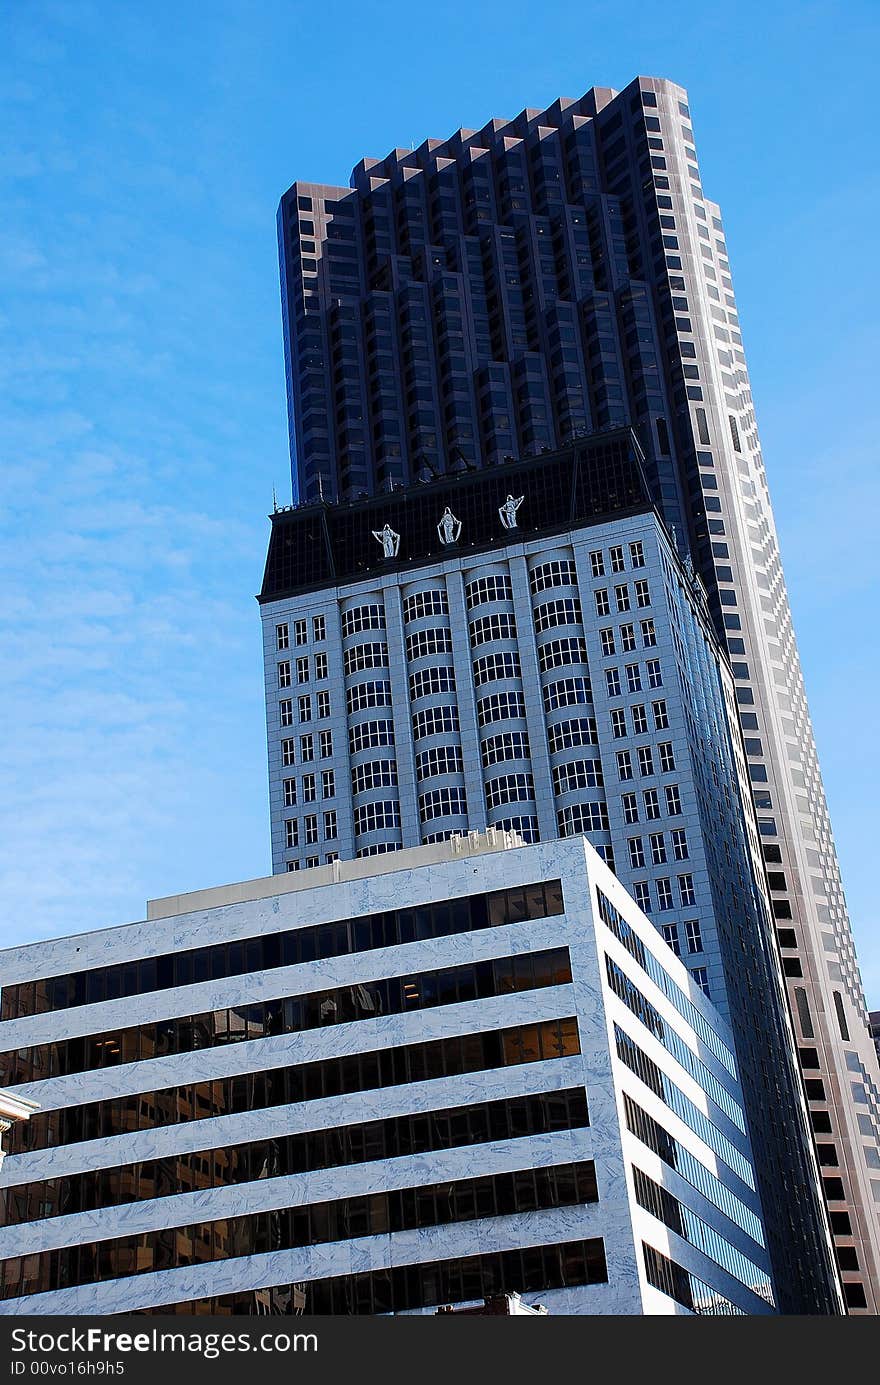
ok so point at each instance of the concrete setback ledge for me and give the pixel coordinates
(474, 844)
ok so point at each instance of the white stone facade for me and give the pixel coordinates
(700, 1177)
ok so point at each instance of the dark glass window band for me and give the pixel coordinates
(292, 1014)
(676, 1283)
(253, 1091)
(393, 1138)
(569, 1265)
(414, 924)
(500, 1195)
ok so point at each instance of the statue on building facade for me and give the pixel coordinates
(389, 540)
(507, 511)
(449, 527)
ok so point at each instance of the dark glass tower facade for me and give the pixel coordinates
(503, 293)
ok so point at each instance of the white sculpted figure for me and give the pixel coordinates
(507, 512)
(389, 540)
(449, 527)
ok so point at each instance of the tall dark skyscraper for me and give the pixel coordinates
(501, 294)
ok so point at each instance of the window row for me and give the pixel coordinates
(566, 611)
(639, 717)
(427, 681)
(407, 1287)
(285, 708)
(372, 654)
(559, 572)
(300, 632)
(303, 666)
(437, 639)
(309, 788)
(342, 1005)
(369, 617)
(499, 626)
(393, 1138)
(626, 635)
(442, 803)
(309, 834)
(375, 774)
(373, 1214)
(371, 694)
(616, 559)
(492, 667)
(307, 748)
(431, 602)
(494, 587)
(294, 1083)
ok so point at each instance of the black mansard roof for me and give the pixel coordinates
(313, 546)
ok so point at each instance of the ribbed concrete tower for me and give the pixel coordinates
(506, 291)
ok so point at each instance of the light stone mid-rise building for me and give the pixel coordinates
(511, 289)
(470, 1069)
(554, 677)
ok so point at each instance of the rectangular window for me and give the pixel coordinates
(287, 753)
(323, 705)
(302, 669)
(649, 634)
(658, 849)
(282, 636)
(621, 596)
(655, 676)
(284, 673)
(624, 765)
(320, 666)
(661, 716)
(618, 723)
(652, 804)
(670, 937)
(309, 789)
(642, 895)
(667, 757)
(290, 793)
(627, 638)
(693, 935)
(305, 708)
(686, 890)
(597, 563)
(330, 825)
(637, 554)
(326, 744)
(306, 749)
(603, 607)
(640, 720)
(643, 594)
(310, 823)
(630, 808)
(673, 800)
(617, 562)
(680, 844)
(301, 632)
(633, 678)
(636, 853)
(612, 679)
(285, 711)
(646, 760)
(607, 639)
(291, 833)
(664, 893)
(319, 628)
(328, 783)
(701, 976)
(311, 862)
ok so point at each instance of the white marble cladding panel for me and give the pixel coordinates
(298, 1190)
(349, 969)
(310, 1045)
(275, 1122)
(423, 1246)
(449, 879)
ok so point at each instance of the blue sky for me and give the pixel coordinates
(143, 149)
